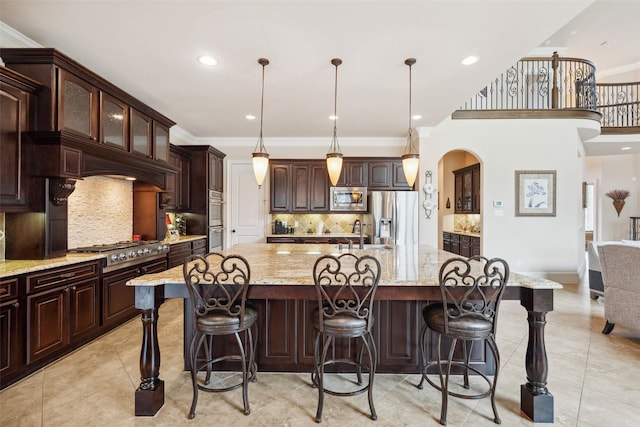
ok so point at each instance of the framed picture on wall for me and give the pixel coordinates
(535, 193)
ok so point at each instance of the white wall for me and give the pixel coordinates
(540, 246)
(619, 172)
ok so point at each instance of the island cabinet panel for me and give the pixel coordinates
(397, 328)
(277, 334)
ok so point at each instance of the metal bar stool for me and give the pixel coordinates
(471, 293)
(218, 287)
(345, 288)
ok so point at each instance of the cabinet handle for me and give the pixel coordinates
(73, 288)
(16, 305)
(67, 275)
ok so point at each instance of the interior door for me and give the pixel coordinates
(246, 205)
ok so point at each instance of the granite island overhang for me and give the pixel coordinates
(282, 287)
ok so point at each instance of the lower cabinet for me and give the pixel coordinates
(461, 244)
(62, 309)
(118, 299)
(10, 336)
(179, 252)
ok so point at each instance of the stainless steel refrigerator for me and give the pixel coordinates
(393, 217)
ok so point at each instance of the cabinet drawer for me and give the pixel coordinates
(61, 276)
(198, 244)
(8, 289)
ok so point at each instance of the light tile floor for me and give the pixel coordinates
(595, 380)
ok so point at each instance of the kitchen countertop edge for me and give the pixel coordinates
(17, 267)
(187, 238)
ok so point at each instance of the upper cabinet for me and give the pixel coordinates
(354, 174)
(300, 186)
(467, 189)
(83, 117)
(16, 98)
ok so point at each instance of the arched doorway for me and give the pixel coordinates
(460, 214)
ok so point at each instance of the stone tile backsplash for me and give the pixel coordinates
(334, 223)
(100, 211)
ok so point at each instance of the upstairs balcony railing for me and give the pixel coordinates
(540, 84)
(619, 104)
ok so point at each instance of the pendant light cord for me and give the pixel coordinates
(262, 103)
(410, 62)
(335, 146)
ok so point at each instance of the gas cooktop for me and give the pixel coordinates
(123, 254)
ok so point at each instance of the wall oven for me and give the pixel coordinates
(215, 238)
(215, 208)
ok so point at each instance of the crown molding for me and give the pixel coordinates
(12, 38)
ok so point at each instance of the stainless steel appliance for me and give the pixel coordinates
(215, 208)
(352, 199)
(393, 216)
(126, 254)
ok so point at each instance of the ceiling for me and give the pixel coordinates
(149, 49)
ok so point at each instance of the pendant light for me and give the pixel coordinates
(334, 156)
(410, 157)
(260, 155)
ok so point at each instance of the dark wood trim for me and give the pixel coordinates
(610, 130)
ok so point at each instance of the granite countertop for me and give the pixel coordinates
(319, 236)
(464, 233)
(401, 265)
(22, 266)
(186, 238)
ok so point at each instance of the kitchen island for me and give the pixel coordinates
(282, 287)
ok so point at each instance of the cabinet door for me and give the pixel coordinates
(280, 185)
(399, 323)
(446, 242)
(184, 186)
(475, 191)
(77, 106)
(47, 323)
(140, 134)
(467, 192)
(84, 309)
(277, 329)
(465, 246)
(160, 142)
(171, 192)
(300, 187)
(13, 121)
(475, 246)
(399, 180)
(10, 330)
(354, 174)
(380, 175)
(118, 299)
(458, 193)
(114, 122)
(319, 191)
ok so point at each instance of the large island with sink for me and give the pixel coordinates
(282, 287)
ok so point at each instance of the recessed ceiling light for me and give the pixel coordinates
(332, 117)
(250, 117)
(130, 178)
(416, 117)
(626, 148)
(207, 60)
(469, 60)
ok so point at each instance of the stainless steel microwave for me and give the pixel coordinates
(352, 199)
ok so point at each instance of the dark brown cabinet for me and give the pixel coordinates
(467, 189)
(114, 122)
(140, 133)
(118, 299)
(461, 244)
(10, 336)
(179, 252)
(354, 174)
(15, 104)
(206, 187)
(160, 141)
(299, 186)
(62, 308)
(386, 174)
(77, 105)
(280, 184)
(178, 191)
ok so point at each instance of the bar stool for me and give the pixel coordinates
(217, 286)
(471, 293)
(345, 287)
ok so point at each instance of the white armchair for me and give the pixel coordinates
(621, 276)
